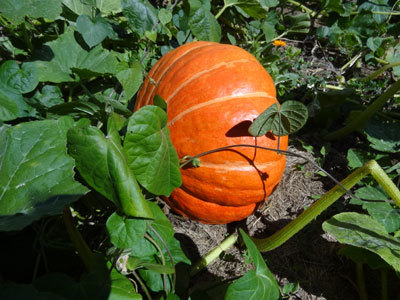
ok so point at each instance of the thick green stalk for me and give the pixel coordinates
(362, 291)
(80, 245)
(380, 71)
(371, 167)
(214, 254)
(360, 120)
(281, 236)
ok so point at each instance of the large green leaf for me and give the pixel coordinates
(283, 120)
(93, 31)
(125, 232)
(36, 172)
(202, 22)
(141, 15)
(365, 232)
(65, 56)
(101, 162)
(151, 155)
(255, 284)
(15, 11)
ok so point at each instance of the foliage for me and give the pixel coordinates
(69, 73)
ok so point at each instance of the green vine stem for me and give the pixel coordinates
(380, 71)
(363, 117)
(371, 167)
(142, 284)
(384, 284)
(362, 291)
(214, 254)
(79, 243)
(281, 236)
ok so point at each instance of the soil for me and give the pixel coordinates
(309, 258)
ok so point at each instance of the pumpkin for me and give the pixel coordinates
(214, 92)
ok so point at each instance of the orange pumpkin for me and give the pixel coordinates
(214, 92)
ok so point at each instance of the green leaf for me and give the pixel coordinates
(49, 96)
(203, 24)
(385, 214)
(357, 158)
(15, 11)
(383, 135)
(165, 16)
(393, 56)
(81, 7)
(8, 104)
(37, 174)
(150, 153)
(125, 232)
(360, 255)
(102, 164)
(376, 6)
(255, 284)
(365, 232)
(93, 32)
(299, 23)
(251, 7)
(291, 116)
(141, 15)
(374, 43)
(131, 79)
(160, 102)
(65, 56)
(20, 80)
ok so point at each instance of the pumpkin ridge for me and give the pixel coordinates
(165, 70)
(201, 73)
(219, 100)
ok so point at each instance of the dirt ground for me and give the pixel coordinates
(309, 258)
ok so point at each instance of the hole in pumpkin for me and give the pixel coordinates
(241, 129)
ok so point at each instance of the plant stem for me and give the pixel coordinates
(361, 282)
(142, 284)
(80, 245)
(304, 8)
(384, 286)
(380, 71)
(221, 11)
(214, 254)
(363, 117)
(371, 167)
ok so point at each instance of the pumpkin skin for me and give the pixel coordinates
(214, 92)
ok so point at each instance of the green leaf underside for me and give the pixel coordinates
(16, 11)
(284, 120)
(365, 232)
(103, 165)
(64, 56)
(255, 284)
(36, 172)
(150, 153)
